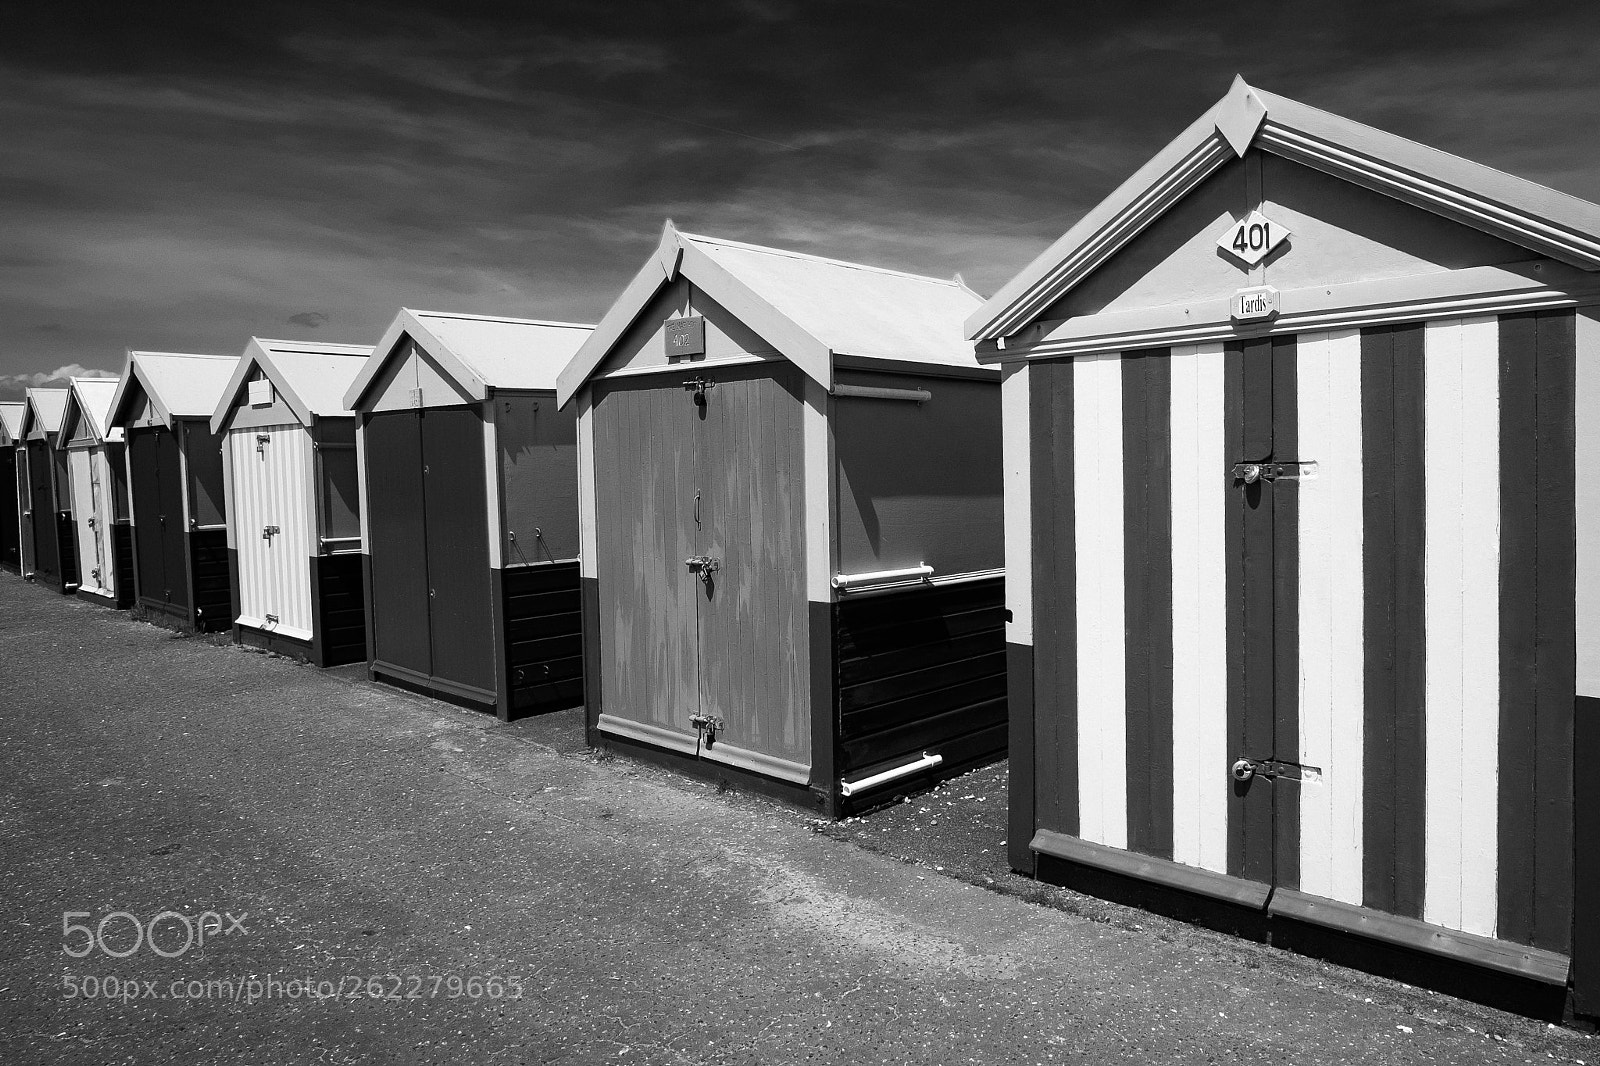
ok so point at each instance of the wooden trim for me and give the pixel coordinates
(1149, 868)
(721, 752)
(1547, 967)
(1016, 453)
(588, 499)
(816, 429)
(1358, 304)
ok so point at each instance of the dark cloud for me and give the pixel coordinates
(186, 179)
(309, 319)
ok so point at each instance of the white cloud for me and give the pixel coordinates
(58, 376)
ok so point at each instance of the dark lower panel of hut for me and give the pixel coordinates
(919, 670)
(542, 616)
(67, 550)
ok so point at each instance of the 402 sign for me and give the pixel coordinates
(1252, 239)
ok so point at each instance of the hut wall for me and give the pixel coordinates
(1400, 624)
(538, 470)
(919, 483)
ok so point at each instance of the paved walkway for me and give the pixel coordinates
(355, 831)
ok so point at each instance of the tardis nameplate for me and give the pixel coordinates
(1257, 303)
(1253, 238)
(686, 336)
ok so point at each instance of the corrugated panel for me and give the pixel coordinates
(84, 467)
(270, 475)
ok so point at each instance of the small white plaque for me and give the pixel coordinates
(1257, 303)
(1253, 238)
(261, 393)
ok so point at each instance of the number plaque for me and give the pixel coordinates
(1252, 239)
(685, 336)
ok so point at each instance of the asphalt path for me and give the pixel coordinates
(322, 869)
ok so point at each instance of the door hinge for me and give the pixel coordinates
(1273, 770)
(1249, 473)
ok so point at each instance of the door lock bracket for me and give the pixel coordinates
(706, 727)
(1273, 769)
(703, 566)
(1250, 473)
(698, 387)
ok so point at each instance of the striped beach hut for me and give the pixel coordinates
(293, 500)
(10, 487)
(49, 554)
(469, 515)
(1304, 582)
(164, 404)
(792, 524)
(97, 478)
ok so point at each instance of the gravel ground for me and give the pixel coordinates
(355, 830)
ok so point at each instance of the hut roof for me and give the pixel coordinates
(44, 407)
(478, 352)
(11, 421)
(311, 377)
(180, 385)
(90, 399)
(808, 307)
(1551, 223)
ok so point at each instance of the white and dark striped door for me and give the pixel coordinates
(1386, 635)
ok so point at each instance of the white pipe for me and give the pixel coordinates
(926, 762)
(910, 573)
(873, 392)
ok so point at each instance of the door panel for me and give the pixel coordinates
(398, 547)
(174, 542)
(9, 532)
(145, 486)
(47, 561)
(85, 518)
(454, 496)
(752, 611)
(645, 529)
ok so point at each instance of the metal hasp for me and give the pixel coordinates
(703, 566)
(706, 727)
(1273, 770)
(262, 440)
(1249, 473)
(268, 532)
(698, 387)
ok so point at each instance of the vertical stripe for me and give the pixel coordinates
(1586, 520)
(1016, 445)
(1537, 626)
(1051, 405)
(1462, 575)
(1328, 380)
(1253, 586)
(816, 435)
(1284, 711)
(1102, 693)
(1393, 831)
(1147, 583)
(1200, 497)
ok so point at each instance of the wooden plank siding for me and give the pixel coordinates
(341, 620)
(541, 612)
(1399, 621)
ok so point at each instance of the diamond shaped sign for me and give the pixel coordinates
(1253, 238)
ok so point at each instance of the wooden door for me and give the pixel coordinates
(145, 491)
(454, 488)
(170, 520)
(397, 544)
(646, 526)
(751, 610)
(84, 493)
(47, 562)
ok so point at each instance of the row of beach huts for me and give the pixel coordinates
(1257, 519)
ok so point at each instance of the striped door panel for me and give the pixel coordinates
(1400, 619)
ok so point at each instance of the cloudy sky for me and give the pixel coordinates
(182, 176)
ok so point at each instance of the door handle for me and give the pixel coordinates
(704, 565)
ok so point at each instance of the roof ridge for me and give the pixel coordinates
(499, 318)
(182, 355)
(791, 254)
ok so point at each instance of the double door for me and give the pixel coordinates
(432, 598)
(700, 531)
(161, 549)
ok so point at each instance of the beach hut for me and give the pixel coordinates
(469, 510)
(97, 493)
(792, 524)
(51, 555)
(10, 491)
(293, 500)
(164, 404)
(1304, 554)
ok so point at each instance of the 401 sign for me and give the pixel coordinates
(1253, 238)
